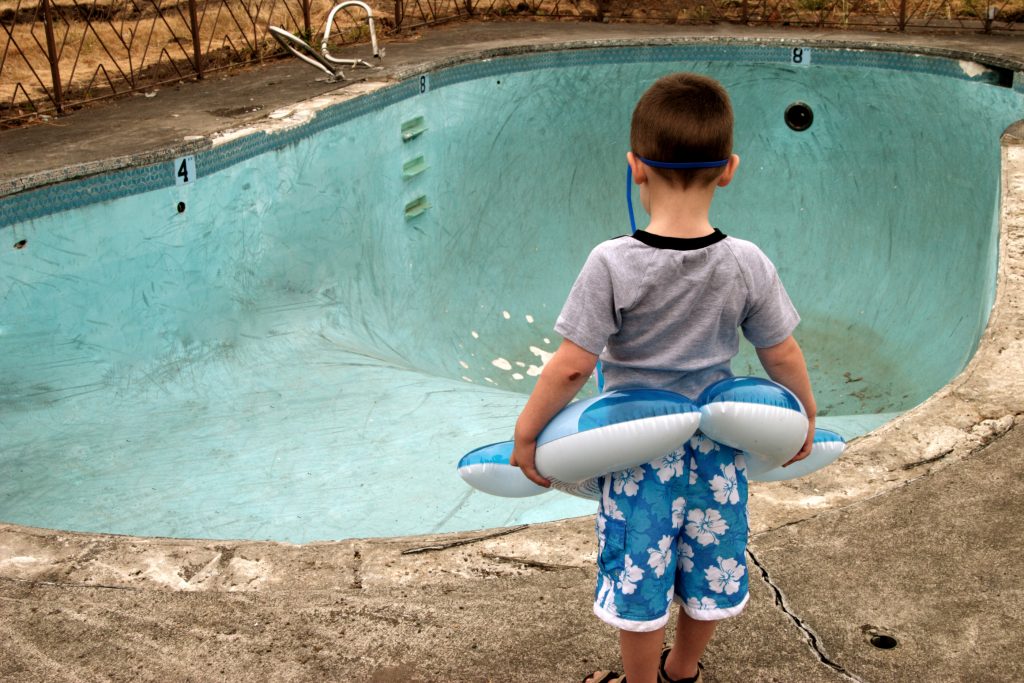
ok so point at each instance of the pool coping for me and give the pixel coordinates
(33, 181)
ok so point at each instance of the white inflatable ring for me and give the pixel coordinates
(828, 446)
(754, 415)
(622, 429)
(610, 432)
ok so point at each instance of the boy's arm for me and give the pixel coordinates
(785, 364)
(562, 377)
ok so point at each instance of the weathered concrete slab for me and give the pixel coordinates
(509, 608)
(934, 564)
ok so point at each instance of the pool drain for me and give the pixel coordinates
(883, 642)
(799, 116)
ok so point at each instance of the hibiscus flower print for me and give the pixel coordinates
(660, 557)
(693, 471)
(725, 578)
(725, 487)
(705, 526)
(671, 465)
(686, 553)
(611, 509)
(629, 576)
(606, 596)
(678, 508)
(628, 480)
(704, 603)
(703, 444)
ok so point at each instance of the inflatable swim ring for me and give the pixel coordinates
(626, 428)
(610, 432)
(754, 415)
(828, 446)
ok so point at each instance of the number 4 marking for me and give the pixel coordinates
(184, 170)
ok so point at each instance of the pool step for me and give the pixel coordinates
(416, 207)
(413, 128)
(414, 167)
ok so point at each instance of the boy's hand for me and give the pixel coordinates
(785, 364)
(562, 376)
(805, 450)
(524, 455)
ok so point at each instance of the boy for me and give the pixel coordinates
(662, 309)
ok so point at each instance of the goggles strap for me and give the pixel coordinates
(662, 164)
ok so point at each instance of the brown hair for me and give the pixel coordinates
(683, 117)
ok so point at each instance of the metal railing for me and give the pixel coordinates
(60, 54)
(322, 59)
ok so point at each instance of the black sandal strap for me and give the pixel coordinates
(664, 677)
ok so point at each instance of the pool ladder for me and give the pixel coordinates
(323, 60)
(414, 167)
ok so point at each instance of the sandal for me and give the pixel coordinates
(663, 677)
(605, 677)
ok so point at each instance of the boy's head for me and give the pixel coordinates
(683, 117)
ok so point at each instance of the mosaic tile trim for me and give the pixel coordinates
(74, 194)
(113, 185)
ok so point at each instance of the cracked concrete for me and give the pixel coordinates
(911, 535)
(813, 641)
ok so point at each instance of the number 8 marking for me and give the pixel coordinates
(801, 56)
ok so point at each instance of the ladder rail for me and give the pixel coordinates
(323, 60)
(377, 52)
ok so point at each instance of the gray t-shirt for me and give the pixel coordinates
(664, 312)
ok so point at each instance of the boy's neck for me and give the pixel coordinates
(681, 213)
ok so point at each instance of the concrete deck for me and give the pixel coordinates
(911, 535)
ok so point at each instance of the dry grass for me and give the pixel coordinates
(116, 46)
(111, 46)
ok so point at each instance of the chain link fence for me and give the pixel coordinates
(59, 54)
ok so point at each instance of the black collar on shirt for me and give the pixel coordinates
(678, 243)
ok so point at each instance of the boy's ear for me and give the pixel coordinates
(639, 170)
(730, 171)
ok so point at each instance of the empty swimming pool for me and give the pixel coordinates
(300, 341)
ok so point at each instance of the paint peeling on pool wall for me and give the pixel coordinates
(263, 365)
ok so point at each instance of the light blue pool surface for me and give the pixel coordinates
(340, 311)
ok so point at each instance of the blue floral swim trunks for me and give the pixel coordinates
(673, 528)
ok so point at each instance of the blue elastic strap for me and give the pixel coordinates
(662, 164)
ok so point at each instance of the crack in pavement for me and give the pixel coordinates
(809, 635)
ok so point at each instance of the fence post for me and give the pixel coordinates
(399, 13)
(307, 20)
(745, 16)
(193, 17)
(51, 52)
(903, 15)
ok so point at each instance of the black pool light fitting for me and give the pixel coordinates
(799, 116)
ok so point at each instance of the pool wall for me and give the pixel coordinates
(404, 286)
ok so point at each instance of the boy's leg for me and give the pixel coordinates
(637, 526)
(640, 654)
(692, 637)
